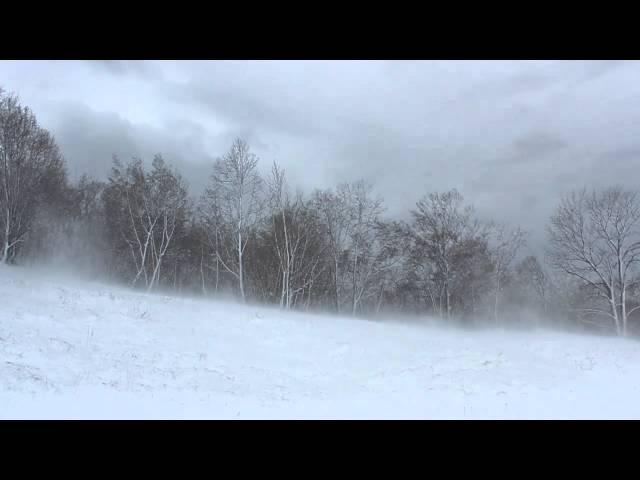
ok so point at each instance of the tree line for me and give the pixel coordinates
(256, 238)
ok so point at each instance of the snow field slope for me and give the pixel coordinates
(71, 349)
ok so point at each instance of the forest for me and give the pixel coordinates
(260, 239)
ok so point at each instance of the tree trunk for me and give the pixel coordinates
(623, 301)
(283, 289)
(240, 271)
(623, 296)
(614, 310)
(155, 275)
(7, 245)
(447, 299)
(5, 253)
(379, 304)
(354, 301)
(204, 289)
(495, 303)
(336, 285)
(217, 261)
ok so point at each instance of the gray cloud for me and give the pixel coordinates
(243, 109)
(596, 68)
(535, 145)
(630, 154)
(125, 68)
(90, 139)
(511, 136)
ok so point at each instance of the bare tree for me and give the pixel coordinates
(441, 225)
(211, 221)
(293, 230)
(333, 208)
(384, 263)
(29, 162)
(533, 278)
(505, 245)
(168, 203)
(145, 210)
(595, 237)
(363, 215)
(237, 187)
(473, 267)
(130, 214)
(284, 245)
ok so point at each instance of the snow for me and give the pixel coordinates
(85, 350)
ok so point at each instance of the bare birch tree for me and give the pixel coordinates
(595, 237)
(238, 189)
(294, 227)
(168, 203)
(29, 160)
(145, 209)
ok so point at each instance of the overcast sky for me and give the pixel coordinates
(511, 136)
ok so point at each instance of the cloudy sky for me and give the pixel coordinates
(512, 136)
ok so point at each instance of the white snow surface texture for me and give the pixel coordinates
(72, 350)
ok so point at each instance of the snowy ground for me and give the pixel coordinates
(70, 350)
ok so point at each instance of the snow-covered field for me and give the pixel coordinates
(85, 350)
